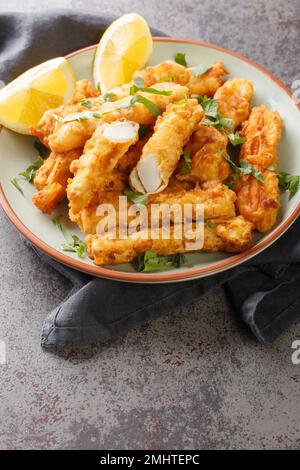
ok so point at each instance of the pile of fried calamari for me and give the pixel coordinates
(165, 137)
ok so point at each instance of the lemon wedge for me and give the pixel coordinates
(25, 99)
(126, 46)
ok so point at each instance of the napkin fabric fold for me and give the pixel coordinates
(265, 291)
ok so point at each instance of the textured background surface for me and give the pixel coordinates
(193, 379)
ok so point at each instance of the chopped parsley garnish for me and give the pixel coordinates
(27, 174)
(179, 57)
(30, 172)
(137, 198)
(15, 182)
(143, 130)
(152, 107)
(150, 261)
(138, 82)
(272, 167)
(200, 70)
(208, 222)
(107, 97)
(289, 183)
(42, 150)
(235, 138)
(138, 85)
(187, 167)
(168, 78)
(245, 168)
(230, 184)
(83, 116)
(76, 246)
(87, 104)
(181, 102)
(210, 108)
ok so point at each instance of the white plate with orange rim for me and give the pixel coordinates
(17, 153)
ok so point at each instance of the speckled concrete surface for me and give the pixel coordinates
(194, 379)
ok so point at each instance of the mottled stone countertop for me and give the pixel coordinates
(193, 379)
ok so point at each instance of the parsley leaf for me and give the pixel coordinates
(139, 199)
(152, 107)
(187, 167)
(150, 261)
(272, 167)
(289, 183)
(210, 108)
(42, 150)
(235, 138)
(76, 246)
(208, 222)
(230, 184)
(30, 172)
(83, 116)
(179, 57)
(168, 78)
(138, 85)
(245, 168)
(15, 182)
(87, 104)
(200, 70)
(109, 97)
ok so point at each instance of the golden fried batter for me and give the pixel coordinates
(218, 201)
(205, 148)
(208, 83)
(232, 235)
(258, 201)
(69, 135)
(51, 180)
(204, 85)
(234, 99)
(47, 123)
(162, 151)
(100, 156)
(263, 133)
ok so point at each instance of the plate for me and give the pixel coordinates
(17, 152)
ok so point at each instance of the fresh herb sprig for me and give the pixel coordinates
(30, 171)
(27, 174)
(137, 198)
(87, 104)
(214, 118)
(288, 182)
(74, 245)
(107, 97)
(139, 85)
(187, 163)
(15, 183)
(151, 262)
(245, 168)
(180, 58)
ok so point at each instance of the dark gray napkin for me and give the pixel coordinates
(265, 291)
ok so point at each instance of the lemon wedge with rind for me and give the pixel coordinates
(25, 99)
(126, 46)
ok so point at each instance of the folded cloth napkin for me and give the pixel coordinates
(265, 291)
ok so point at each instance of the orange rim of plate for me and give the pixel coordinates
(168, 276)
